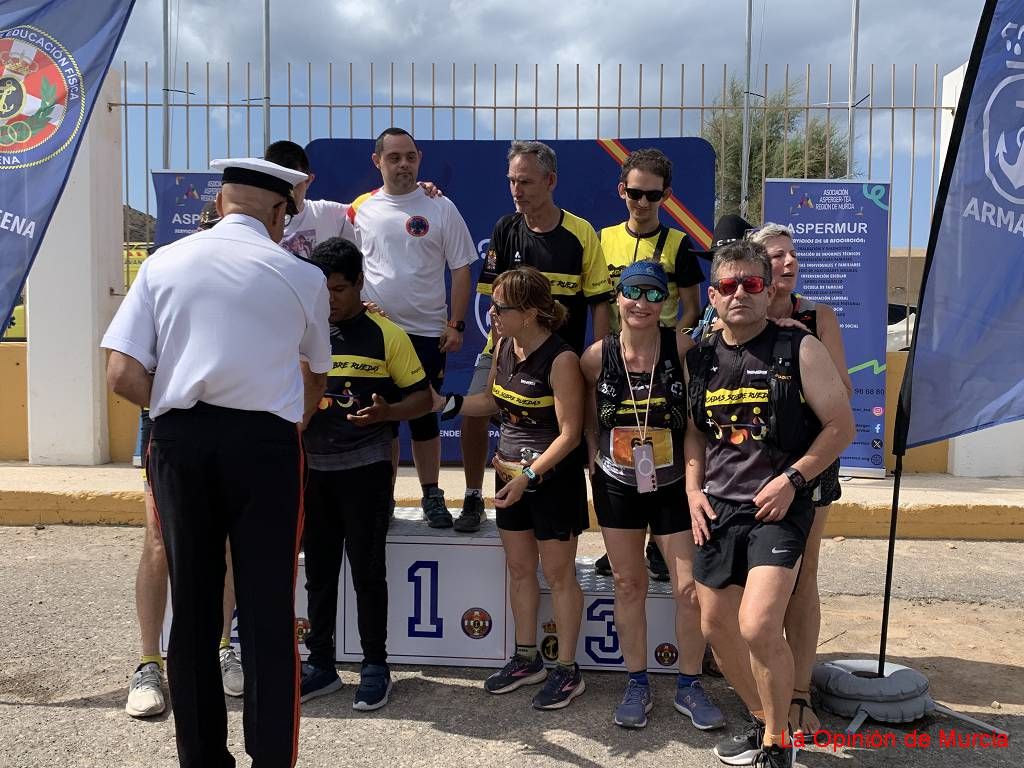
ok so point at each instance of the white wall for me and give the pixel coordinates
(71, 301)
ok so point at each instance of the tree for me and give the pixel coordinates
(785, 142)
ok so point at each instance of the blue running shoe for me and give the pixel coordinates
(637, 701)
(518, 672)
(693, 701)
(317, 681)
(563, 685)
(374, 687)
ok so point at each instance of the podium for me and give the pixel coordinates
(448, 605)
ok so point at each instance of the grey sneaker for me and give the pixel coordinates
(231, 672)
(434, 509)
(146, 692)
(472, 514)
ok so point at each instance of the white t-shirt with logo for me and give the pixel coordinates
(318, 221)
(406, 241)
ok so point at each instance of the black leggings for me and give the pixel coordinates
(347, 511)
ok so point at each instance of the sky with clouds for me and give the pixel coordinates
(930, 34)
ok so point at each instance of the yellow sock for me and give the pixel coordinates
(158, 660)
(225, 642)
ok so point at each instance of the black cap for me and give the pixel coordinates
(729, 229)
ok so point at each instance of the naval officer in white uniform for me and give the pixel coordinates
(224, 335)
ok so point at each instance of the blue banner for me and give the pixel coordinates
(841, 232)
(966, 367)
(180, 197)
(473, 175)
(53, 58)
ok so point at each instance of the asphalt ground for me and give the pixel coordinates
(68, 644)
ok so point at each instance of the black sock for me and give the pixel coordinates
(427, 487)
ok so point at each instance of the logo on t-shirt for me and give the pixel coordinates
(300, 243)
(417, 226)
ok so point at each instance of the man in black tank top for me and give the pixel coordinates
(746, 487)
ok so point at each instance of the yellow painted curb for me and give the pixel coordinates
(850, 519)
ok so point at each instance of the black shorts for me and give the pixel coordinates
(620, 505)
(827, 488)
(739, 542)
(557, 509)
(426, 427)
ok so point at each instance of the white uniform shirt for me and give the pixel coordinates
(222, 317)
(318, 221)
(406, 241)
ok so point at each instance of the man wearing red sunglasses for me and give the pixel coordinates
(768, 413)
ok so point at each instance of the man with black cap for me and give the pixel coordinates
(224, 336)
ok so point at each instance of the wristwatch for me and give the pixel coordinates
(798, 480)
(533, 479)
(458, 325)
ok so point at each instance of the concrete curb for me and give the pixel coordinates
(853, 519)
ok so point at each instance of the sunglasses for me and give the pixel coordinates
(652, 195)
(634, 292)
(727, 286)
(499, 308)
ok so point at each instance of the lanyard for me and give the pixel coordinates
(650, 387)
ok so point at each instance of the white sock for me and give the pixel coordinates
(473, 492)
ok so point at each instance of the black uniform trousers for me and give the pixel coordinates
(347, 511)
(216, 473)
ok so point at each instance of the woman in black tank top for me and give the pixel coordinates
(803, 620)
(540, 492)
(634, 427)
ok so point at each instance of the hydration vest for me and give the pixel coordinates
(792, 425)
(613, 384)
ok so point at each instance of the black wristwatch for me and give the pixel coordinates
(458, 325)
(798, 480)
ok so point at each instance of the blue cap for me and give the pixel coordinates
(644, 274)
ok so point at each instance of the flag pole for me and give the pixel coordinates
(167, 86)
(852, 92)
(745, 160)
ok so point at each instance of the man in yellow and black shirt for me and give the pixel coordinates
(644, 184)
(566, 249)
(376, 378)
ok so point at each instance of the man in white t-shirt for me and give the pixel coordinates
(407, 239)
(316, 220)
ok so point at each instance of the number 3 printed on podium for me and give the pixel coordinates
(424, 621)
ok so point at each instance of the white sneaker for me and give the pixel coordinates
(146, 692)
(231, 672)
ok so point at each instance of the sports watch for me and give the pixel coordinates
(795, 478)
(532, 477)
(458, 325)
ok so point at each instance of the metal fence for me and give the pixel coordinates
(217, 110)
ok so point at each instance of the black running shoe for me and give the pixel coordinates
(518, 672)
(656, 563)
(603, 566)
(561, 688)
(775, 757)
(434, 510)
(742, 748)
(472, 514)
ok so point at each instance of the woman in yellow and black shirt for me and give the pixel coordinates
(540, 493)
